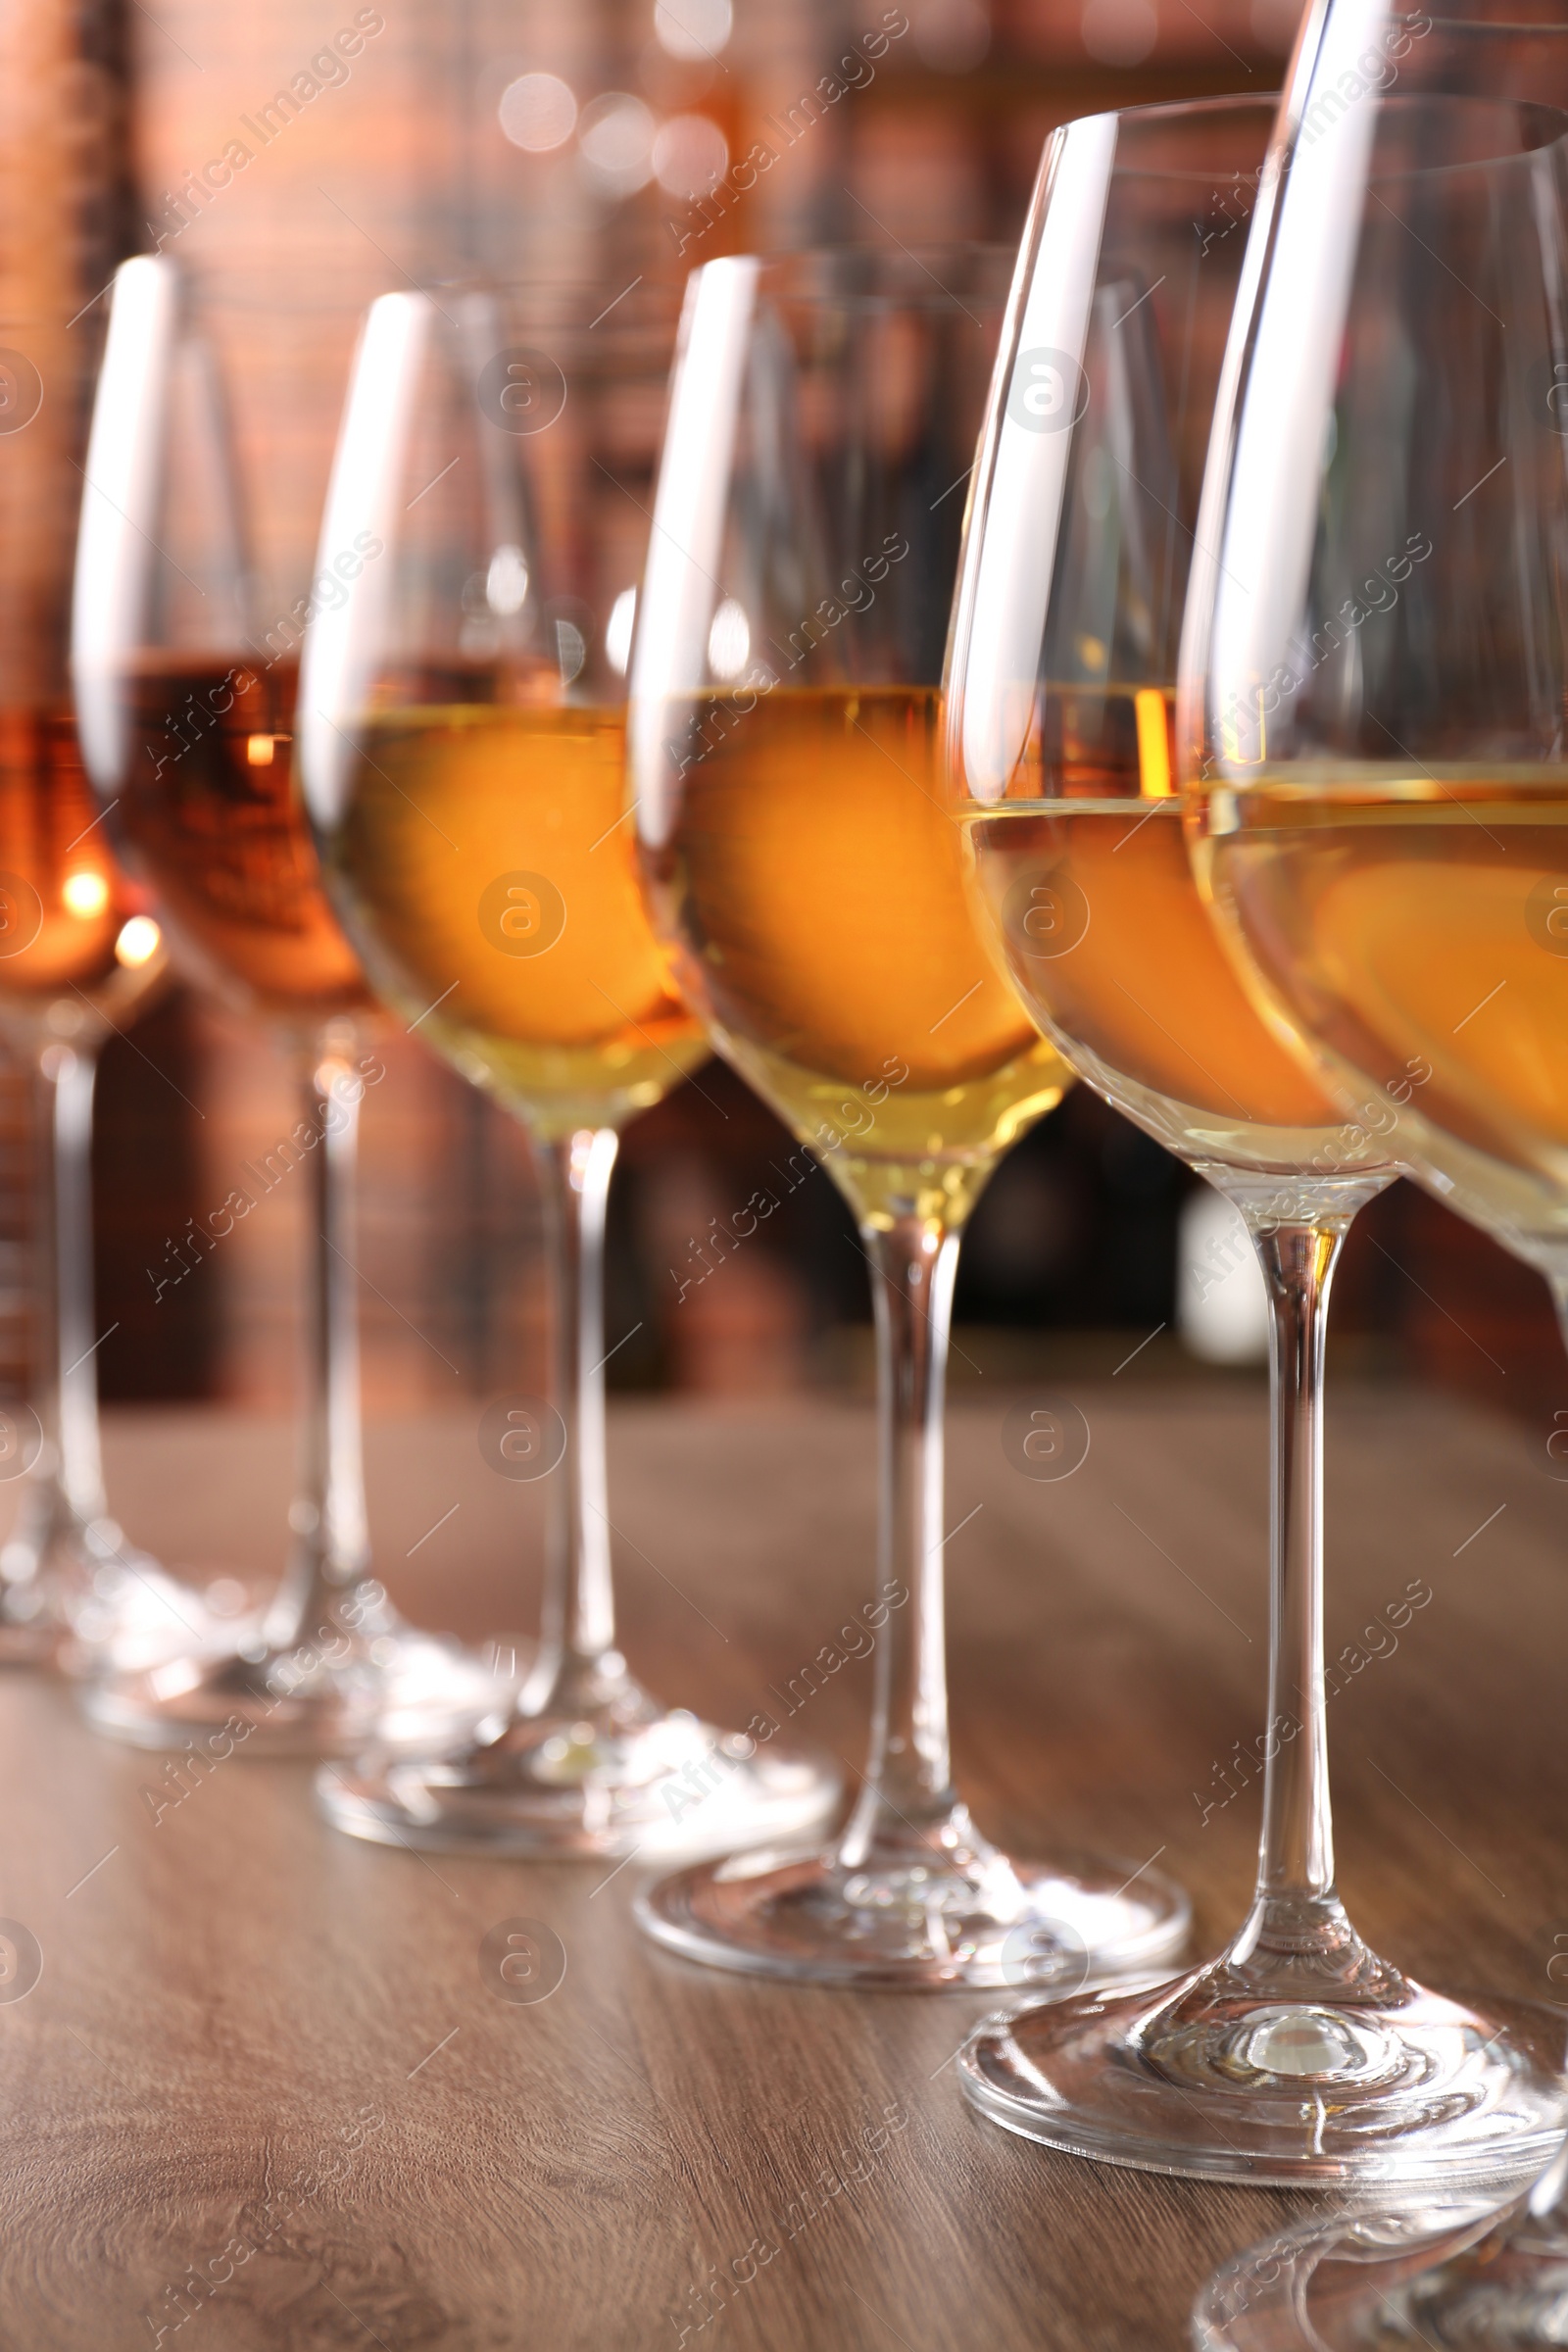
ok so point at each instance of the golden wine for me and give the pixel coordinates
(814, 882)
(76, 938)
(1109, 944)
(211, 810)
(484, 864)
(1417, 928)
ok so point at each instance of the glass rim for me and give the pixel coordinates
(1437, 18)
(1233, 106)
(1387, 102)
(1483, 28)
(1457, 104)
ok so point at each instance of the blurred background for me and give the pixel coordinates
(613, 142)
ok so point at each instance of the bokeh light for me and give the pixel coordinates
(615, 139)
(138, 942)
(85, 894)
(693, 28)
(729, 640)
(1119, 32)
(690, 155)
(538, 112)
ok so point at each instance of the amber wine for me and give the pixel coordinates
(1108, 942)
(1421, 924)
(76, 938)
(484, 867)
(814, 882)
(211, 812)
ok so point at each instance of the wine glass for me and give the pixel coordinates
(192, 587)
(1298, 2055)
(1373, 697)
(80, 958)
(461, 742)
(785, 747)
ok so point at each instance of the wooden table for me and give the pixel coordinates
(250, 2032)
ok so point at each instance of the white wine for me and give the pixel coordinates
(815, 883)
(1109, 944)
(1414, 929)
(484, 867)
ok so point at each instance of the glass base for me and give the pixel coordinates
(253, 1696)
(955, 1918)
(1204, 2079)
(1452, 2277)
(623, 1779)
(75, 1596)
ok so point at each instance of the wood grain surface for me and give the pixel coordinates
(267, 2092)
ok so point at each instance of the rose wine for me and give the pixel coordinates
(77, 937)
(211, 811)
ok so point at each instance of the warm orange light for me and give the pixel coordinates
(259, 750)
(1154, 745)
(85, 894)
(138, 943)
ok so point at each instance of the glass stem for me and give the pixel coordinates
(331, 1555)
(577, 1668)
(66, 1079)
(1548, 2200)
(1296, 1857)
(1297, 1928)
(907, 1809)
